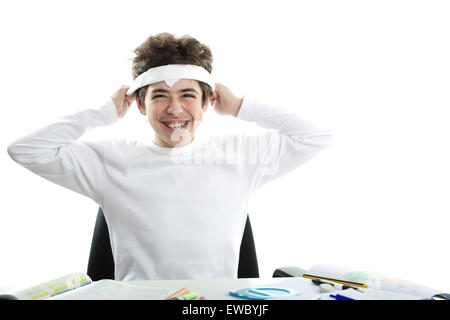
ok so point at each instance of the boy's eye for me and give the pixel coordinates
(186, 95)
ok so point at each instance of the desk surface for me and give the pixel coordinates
(218, 289)
(212, 289)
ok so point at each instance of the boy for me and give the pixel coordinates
(176, 206)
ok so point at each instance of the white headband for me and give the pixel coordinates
(171, 73)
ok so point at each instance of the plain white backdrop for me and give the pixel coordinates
(377, 72)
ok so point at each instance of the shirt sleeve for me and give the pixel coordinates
(54, 153)
(290, 141)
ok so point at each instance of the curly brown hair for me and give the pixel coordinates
(164, 48)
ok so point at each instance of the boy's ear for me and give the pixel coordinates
(209, 101)
(140, 107)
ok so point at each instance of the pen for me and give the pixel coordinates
(340, 297)
(332, 286)
(188, 296)
(345, 287)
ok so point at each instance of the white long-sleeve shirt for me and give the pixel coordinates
(172, 213)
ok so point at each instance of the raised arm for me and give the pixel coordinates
(54, 153)
(291, 141)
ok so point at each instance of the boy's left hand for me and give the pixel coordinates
(225, 102)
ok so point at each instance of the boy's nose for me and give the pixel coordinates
(174, 108)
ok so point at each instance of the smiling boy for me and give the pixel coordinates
(170, 109)
(172, 219)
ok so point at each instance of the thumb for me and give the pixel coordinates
(130, 98)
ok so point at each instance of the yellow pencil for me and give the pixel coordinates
(349, 283)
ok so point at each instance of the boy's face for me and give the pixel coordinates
(174, 112)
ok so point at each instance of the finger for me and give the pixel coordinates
(130, 98)
(123, 90)
(129, 102)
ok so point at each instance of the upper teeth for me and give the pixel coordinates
(176, 125)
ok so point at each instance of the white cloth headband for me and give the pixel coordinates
(171, 73)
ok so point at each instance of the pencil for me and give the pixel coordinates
(178, 293)
(350, 283)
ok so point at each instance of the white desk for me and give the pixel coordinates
(212, 289)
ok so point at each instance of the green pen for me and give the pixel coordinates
(190, 296)
(187, 296)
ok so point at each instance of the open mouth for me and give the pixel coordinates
(172, 126)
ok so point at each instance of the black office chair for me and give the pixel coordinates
(101, 261)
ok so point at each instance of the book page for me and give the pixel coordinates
(372, 280)
(116, 290)
(54, 287)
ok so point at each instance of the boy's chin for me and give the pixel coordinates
(174, 142)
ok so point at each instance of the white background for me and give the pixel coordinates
(378, 72)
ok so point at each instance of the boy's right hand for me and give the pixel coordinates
(122, 101)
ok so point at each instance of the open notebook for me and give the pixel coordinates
(370, 285)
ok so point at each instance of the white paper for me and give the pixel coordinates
(115, 290)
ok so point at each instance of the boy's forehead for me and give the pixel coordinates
(171, 74)
(178, 85)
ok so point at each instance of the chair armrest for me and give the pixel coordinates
(288, 272)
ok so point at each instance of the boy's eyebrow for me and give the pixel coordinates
(182, 90)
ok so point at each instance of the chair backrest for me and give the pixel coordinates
(101, 261)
